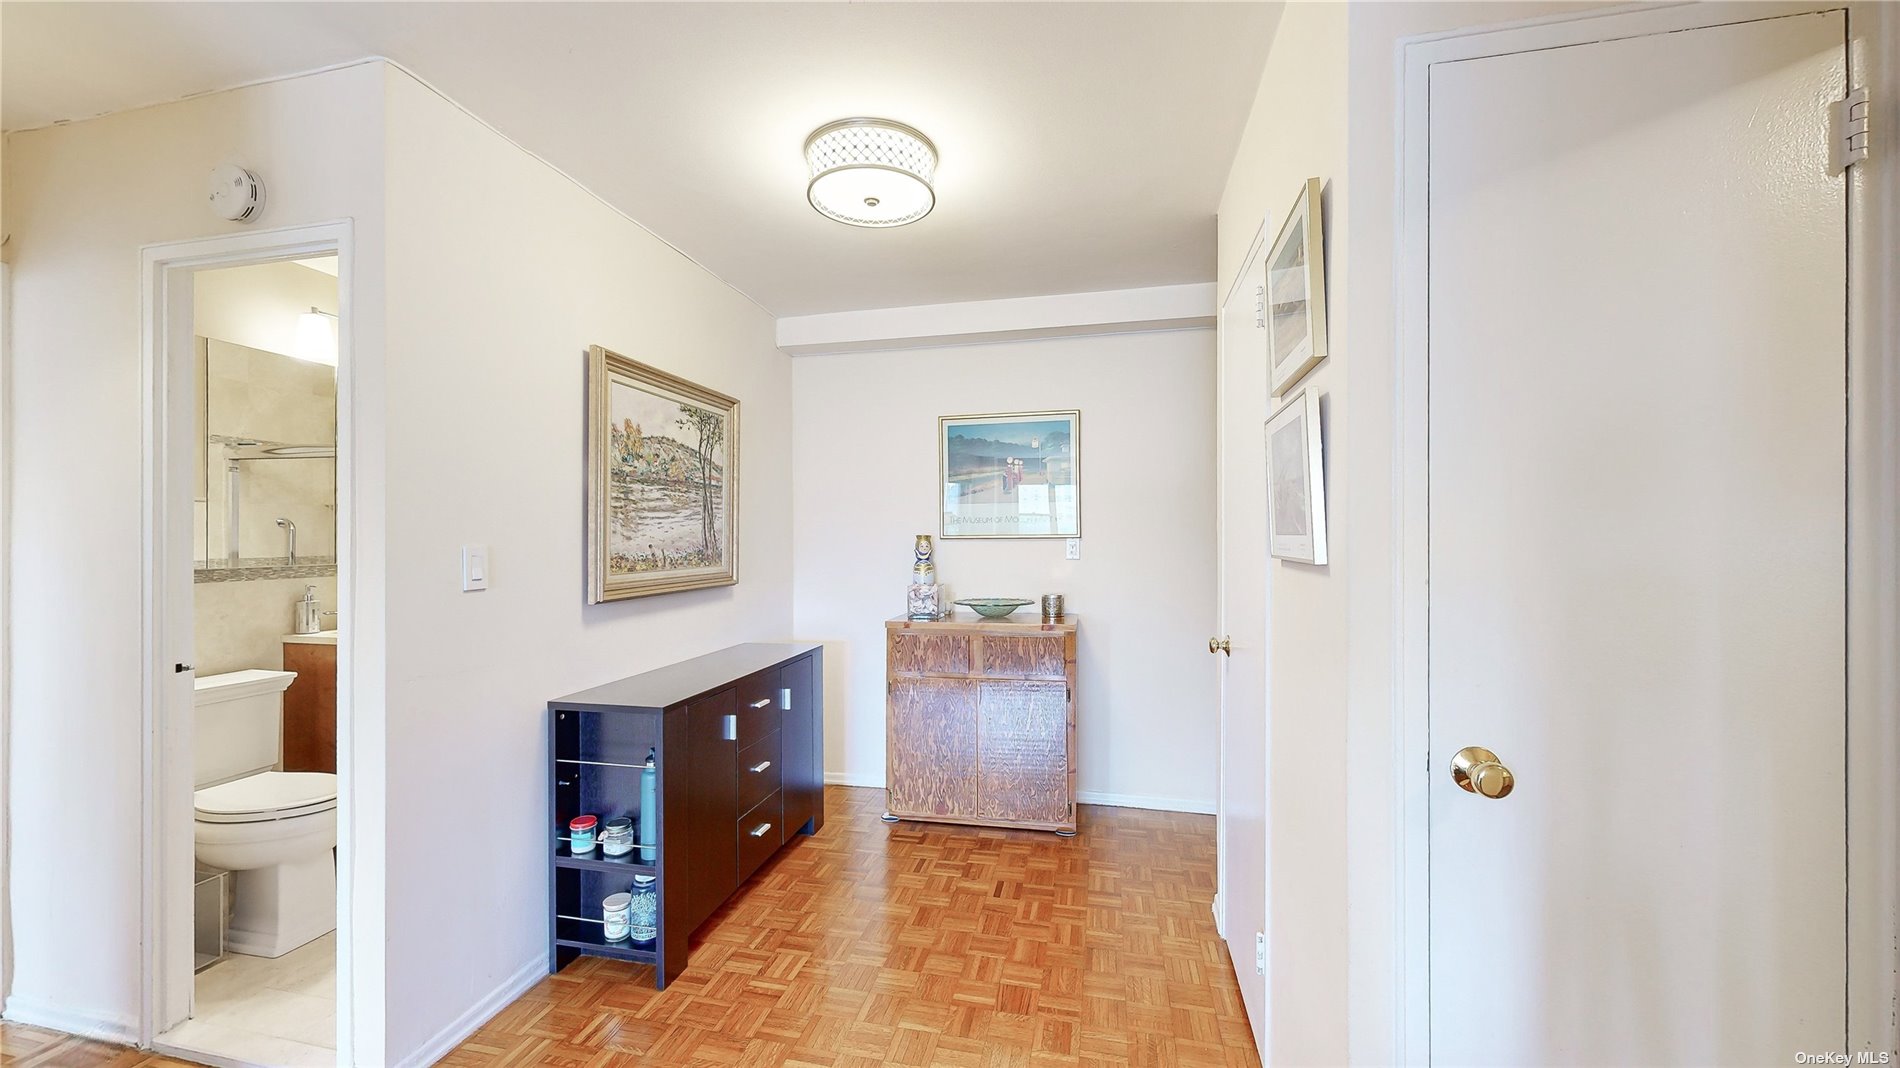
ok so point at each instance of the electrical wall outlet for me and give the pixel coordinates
(1075, 548)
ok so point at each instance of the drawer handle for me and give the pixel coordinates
(761, 766)
(785, 699)
(759, 831)
(729, 730)
(761, 702)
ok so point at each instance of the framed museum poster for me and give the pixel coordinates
(662, 482)
(1014, 475)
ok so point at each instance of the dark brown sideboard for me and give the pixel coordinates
(738, 737)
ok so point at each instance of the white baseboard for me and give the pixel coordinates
(478, 1014)
(846, 778)
(123, 1030)
(1160, 804)
(1086, 797)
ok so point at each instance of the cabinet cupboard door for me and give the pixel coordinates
(932, 748)
(1023, 752)
(803, 778)
(712, 805)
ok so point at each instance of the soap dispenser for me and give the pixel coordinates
(308, 617)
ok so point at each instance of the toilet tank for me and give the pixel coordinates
(239, 724)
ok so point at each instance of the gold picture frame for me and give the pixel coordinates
(662, 481)
(1010, 475)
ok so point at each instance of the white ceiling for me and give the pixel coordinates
(1084, 145)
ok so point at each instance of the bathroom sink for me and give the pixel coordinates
(322, 637)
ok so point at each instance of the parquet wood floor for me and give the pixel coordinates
(922, 944)
(35, 1047)
(915, 944)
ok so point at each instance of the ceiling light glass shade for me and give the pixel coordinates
(871, 172)
(316, 337)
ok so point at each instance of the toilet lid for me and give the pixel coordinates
(268, 795)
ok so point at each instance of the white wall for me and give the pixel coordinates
(81, 200)
(1295, 131)
(257, 305)
(865, 463)
(500, 274)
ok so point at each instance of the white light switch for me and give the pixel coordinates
(474, 567)
(1075, 548)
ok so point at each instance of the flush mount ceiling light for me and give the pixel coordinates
(870, 172)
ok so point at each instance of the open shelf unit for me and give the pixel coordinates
(598, 760)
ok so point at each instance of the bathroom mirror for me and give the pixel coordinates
(266, 495)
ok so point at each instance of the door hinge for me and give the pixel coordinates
(1260, 953)
(1847, 131)
(1260, 306)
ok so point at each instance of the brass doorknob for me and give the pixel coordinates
(1479, 771)
(1220, 645)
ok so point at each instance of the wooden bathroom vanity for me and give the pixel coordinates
(738, 743)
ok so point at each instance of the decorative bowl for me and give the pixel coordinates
(994, 607)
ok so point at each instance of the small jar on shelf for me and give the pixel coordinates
(580, 835)
(643, 911)
(616, 839)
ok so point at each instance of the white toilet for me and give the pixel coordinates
(273, 830)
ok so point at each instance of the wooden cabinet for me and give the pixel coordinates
(738, 739)
(980, 724)
(712, 804)
(309, 738)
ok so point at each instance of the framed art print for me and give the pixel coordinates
(662, 482)
(1009, 476)
(1296, 292)
(1296, 482)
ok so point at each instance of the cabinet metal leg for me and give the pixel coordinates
(888, 818)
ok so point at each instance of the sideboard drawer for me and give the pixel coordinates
(758, 707)
(1027, 657)
(759, 771)
(920, 653)
(761, 832)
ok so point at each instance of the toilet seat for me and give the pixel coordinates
(267, 796)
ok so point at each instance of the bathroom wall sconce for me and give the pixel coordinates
(316, 337)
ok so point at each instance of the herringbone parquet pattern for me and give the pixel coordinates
(915, 944)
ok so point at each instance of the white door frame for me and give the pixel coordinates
(1221, 358)
(1223, 355)
(1873, 499)
(165, 950)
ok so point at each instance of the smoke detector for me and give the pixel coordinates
(236, 194)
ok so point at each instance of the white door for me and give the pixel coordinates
(1243, 609)
(1637, 549)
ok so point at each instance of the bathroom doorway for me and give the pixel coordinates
(247, 624)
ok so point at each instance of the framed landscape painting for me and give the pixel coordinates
(662, 482)
(1010, 476)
